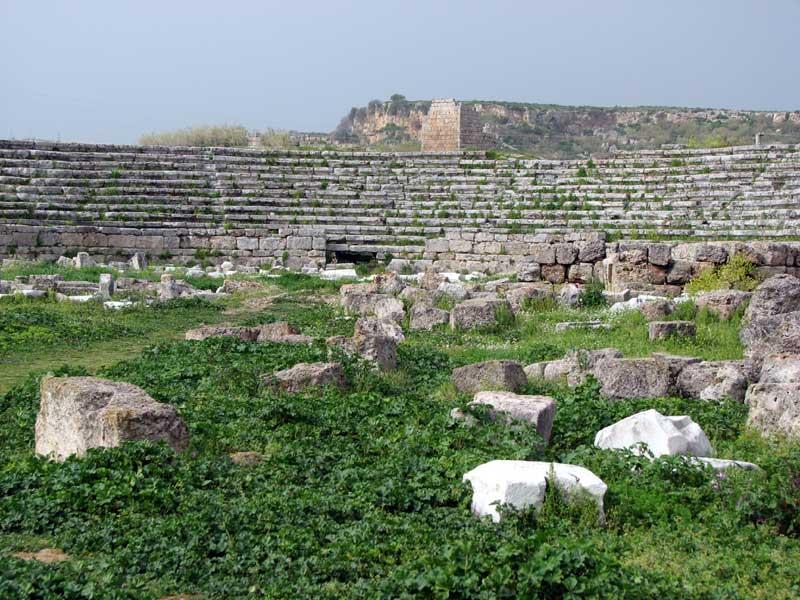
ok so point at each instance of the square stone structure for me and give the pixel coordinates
(451, 127)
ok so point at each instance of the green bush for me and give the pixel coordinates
(738, 273)
(215, 135)
(591, 295)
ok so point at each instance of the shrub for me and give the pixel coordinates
(215, 135)
(591, 295)
(738, 273)
(275, 138)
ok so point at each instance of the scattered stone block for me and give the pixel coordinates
(777, 295)
(632, 378)
(79, 413)
(577, 365)
(522, 484)
(539, 411)
(478, 312)
(83, 260)
(781, 368)
(373, 326)
(168, 289)
(505, 375)
(722, 303)
(309, 375)
(572, 325)
(774, 408)
(660, 434)
(712, 380)
(246, 334)
(426, 317)
(661, 330)
(390, 309)
(656, 309)
(45, 555)
(106, 289)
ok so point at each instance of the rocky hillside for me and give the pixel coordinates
(553, 131)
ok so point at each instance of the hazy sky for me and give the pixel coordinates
(110, 70)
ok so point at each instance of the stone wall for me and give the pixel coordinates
(447, 211)
(660, 267)
(451, 126)
(441, 129)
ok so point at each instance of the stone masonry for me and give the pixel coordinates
(452, 126)
(441, 211)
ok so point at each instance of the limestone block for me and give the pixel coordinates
(505, 375)
(523, 484)
(566, 254)
(553, 273)
(544, 254)
(632, 378)
(478, 312)
(309, 375)
(722, 303)
(79, 413)
(661, 435)
(426, 317)
(539, 411)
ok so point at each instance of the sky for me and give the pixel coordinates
(111, 70)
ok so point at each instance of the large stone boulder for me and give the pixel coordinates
(662, 330)
(478, 312)
(308, 375)
(777, 295)
(764, 336)
(774, 408)
(416, 295)
(78, 413)
(656, 309)
(456, 291)
(521, 294)
(522, 484)
(781, 368)
(388, 283)
(577, 365)
(362, 304)
(632, 377)
(390, 309)
(426, 317)
(712, 380)
(722, 303)
(376, 341)
(506, 375)
(539, 411)
(662, 435)
(375, 327)
(168, 289)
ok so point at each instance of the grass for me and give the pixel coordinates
(534, 338)
(359, 494)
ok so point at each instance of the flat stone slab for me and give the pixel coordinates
(571, 325)
(522, 484)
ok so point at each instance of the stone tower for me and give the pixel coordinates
(452, 126)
